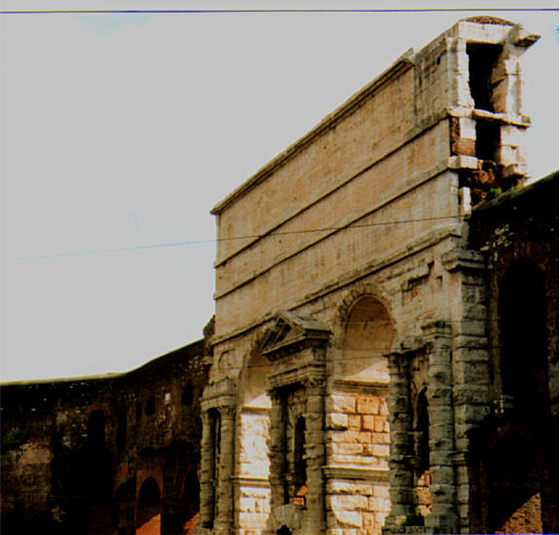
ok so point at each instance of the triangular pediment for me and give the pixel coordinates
(289, 332)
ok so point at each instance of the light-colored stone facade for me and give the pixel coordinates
(350, 354)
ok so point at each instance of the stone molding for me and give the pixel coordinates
(462, 259)
(247, 409)
(311, 372)
(356, 474)
(417, 180)
(427, 241)
(409, 347)
(292, 333)
(221, 394)
(255, 482)
(359, 387)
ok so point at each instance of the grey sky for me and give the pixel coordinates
(122, 131)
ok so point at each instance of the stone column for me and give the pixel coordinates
(401, 448)
(471, 365)
(225, 511)
(444, 518)
(206, 472)
(276, 448)
(315, 521)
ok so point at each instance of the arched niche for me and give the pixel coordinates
(254, 419)
(368, 334)
(148, 510)
(512, 483)
(190, 503)
(255, 384)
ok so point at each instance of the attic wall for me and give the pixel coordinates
(410, 146)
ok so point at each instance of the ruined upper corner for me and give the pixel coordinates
(493, 30)
(487, 19)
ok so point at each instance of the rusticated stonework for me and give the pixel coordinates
(384, 354)
(353, 327)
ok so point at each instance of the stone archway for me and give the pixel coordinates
(148, 510)
(523, 341)
(190, 503)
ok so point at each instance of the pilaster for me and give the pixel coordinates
(400, 417)
(277, 449)
(218, 411)
(315, 455)
(444, 518)
(224, 516)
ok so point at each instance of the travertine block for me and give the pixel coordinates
(347, 502)
(348, 518)
(354, 422)
(367, 405)
(341, 403)
(368, 422)
(337, 422)
(350, 487)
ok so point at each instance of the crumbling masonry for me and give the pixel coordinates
(384, 356)
(352, 364)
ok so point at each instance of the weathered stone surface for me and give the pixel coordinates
(386, 339)
(75, 452)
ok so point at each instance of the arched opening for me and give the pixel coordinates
(148, 511)
(523, 337)
(422, 451)
(512, 479)
(191, 502)
(519, 466)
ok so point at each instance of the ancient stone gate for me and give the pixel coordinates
(351, 358)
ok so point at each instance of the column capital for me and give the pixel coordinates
(437, 329)
(315, 382)
(228, 411)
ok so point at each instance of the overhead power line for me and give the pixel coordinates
(235, 238)
(277, 10)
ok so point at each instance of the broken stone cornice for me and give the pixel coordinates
(462, 259)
